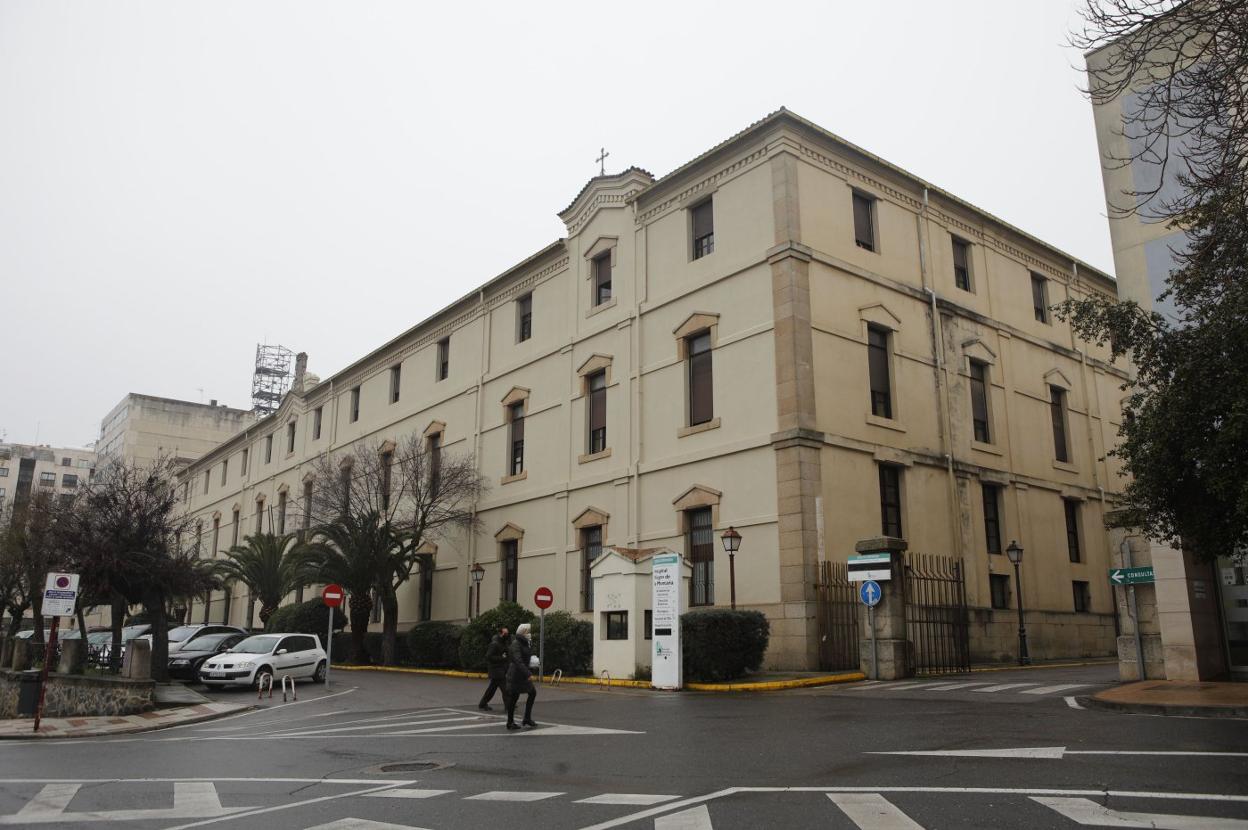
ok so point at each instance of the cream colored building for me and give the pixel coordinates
(695, 354)
(1194, 618)
(26, 469)
(142, 428)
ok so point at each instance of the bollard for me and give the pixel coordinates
(285, 677)
(261, 684)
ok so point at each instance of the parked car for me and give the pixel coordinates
(185, 664)
(183, 635)
(276, 655)
(128, 634)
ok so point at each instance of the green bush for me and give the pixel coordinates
(476, 634)
(310, 617)
(569, 644)
(434, 645)
(372, 643)
(719, 644)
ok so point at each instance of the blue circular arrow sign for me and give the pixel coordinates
(869, 592)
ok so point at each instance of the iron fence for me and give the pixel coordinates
(937, 623)
(837, 609)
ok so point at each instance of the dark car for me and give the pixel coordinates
(184, 664)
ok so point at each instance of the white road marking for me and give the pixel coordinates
(1051, 752)
(191, 799)
(248, 813)
(1087, 813)
(362, 824)
(408, 792)
(273, 708)
(631, 799)
(948, 687)
(510, 795)
(1060, 687)
(1072, 703)
(343, 781)
(560, 729)
(386, 718)
(872, 811)
(359, 727)
(1001, 687)
(52, 800)
(696, 818)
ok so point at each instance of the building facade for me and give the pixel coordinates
(27, 469)
(787, 335)
(142, 428)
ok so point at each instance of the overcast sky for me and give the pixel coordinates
(179, 181)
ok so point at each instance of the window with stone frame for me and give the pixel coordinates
(962, 264)
(864, 221)
(509, 556)
(999, 585)
(992, 517)
(1083, 596)
(524, 317)
(601, 265)
(890, 500)
(1070, 508)
(281, 513)
(290, 437)
(355, 404)
(591, 549)
(1057, 413)
(700, 551)
(426, 588)
(980, 423)
(515, 438)
(396, 383)
(268, 448)
(1040, 298)
(878, 344)
(701, 380)
(702, 225)
(597, 414)
(317, 415)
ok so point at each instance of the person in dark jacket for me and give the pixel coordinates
(520, 676)
(496, 666)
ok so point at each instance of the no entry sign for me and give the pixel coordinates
(332, 595)
(544, 598)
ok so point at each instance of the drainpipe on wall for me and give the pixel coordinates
(476, 447)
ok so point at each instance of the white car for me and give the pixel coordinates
(277, 655)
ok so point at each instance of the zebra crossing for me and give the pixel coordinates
(1031, 689)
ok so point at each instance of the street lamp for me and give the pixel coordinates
(1015, 553)
(732, 543)
(478, 574)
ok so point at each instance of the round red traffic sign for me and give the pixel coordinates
(332, 595)
(544, 598)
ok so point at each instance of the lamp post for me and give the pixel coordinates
(478, 573)
(732, 543)
(1015, 553)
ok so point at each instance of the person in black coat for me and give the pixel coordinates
(520, 677)
(496, 666)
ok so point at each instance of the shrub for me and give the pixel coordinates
(372, 644)
(720, 644)
(310, 617)
(476, 634)
(434, 645)
(569, 644)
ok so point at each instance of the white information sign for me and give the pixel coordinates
(665, 668)
(60, 593)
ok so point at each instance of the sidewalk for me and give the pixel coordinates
(86, 727)
(1175, 697)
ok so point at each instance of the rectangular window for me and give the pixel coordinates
(1, 492)
(307, 511)
(317, 414)
(206, 474)
(1071, 508)
(355, 405)
(426, 589)
(602, 278)
(524, 318)
(877, 368)
(225, 471)
(1000, 585)
(396, 376)
(444, 358)
(703, 222)
(268, 448)
(290, 437)
(260, 517)
(1040, 297)
(49, 480)
(992, 517)
(701, 398)
(1083, 597)
(962, 264)
(69, 481)
(236, 521)
(864, 221)
(979, 402)
(890, 501)
(700, 550)
(511, 569)
(515, 464)
(65, 462)
(4, 472)
(649, 624)
(616, 623)
(243, 464)
(591, 549)
(597, 383)
(435, 458)
(281, 513)
(1057, 411)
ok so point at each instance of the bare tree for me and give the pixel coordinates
(392, 498)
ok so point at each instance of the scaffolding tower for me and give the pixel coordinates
(271, 378)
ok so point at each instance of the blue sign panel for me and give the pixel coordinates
(869, 592)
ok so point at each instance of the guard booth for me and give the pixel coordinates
(622, 595)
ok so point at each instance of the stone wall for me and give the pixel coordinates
(71, 695)
(1051, 635)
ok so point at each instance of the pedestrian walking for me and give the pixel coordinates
(496, 665)
(520, 676)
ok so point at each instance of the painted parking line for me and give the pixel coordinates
(362, 824)
(629, 799)
(949, 687)
(695, 818)
(872, 811)
(408, 792)
(511, 795)
(1060, 687)
(1089, 813)
(1001, 687)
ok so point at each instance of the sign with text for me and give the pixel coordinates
(667, 570)
(871, 566)
(1131, 576)
(60, 593)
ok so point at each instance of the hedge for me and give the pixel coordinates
(310, 617)
(569, 644)
(720, 644)
(434, 645)
(476, 634)
(372, 644)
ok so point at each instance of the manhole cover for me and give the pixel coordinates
(412, 766)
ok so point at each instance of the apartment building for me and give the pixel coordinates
(142, 428)
(27, 469)
(788, 335)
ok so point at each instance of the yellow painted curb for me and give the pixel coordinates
(760, 686)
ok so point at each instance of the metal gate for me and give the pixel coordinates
(936, 616)
(838, 618)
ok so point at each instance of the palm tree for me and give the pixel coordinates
(268, 565)
(355, 551)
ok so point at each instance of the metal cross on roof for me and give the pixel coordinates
(602, 166)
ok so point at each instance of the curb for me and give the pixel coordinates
(760, 686)
(1111, 662)
(1169, 709)
(130, 730)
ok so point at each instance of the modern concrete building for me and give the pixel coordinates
(1194, 618)
(143, 428)
(787, 335)
(26, 469)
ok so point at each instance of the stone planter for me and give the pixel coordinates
(73, 695)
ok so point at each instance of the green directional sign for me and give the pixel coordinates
(1130, 576)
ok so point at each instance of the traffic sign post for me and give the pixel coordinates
(332, 596)
(877, 567)
(1132, 576)
(870, 593)
(60, 594)
(543, 598)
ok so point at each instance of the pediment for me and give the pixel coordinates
(696, 322)
(509, 532)
(976, 349)
(516, 395)
(595, 363)
(434, 428)
(880, 315)
(591, 517)
(1055, 377)
(613, 190)
(697, 496)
